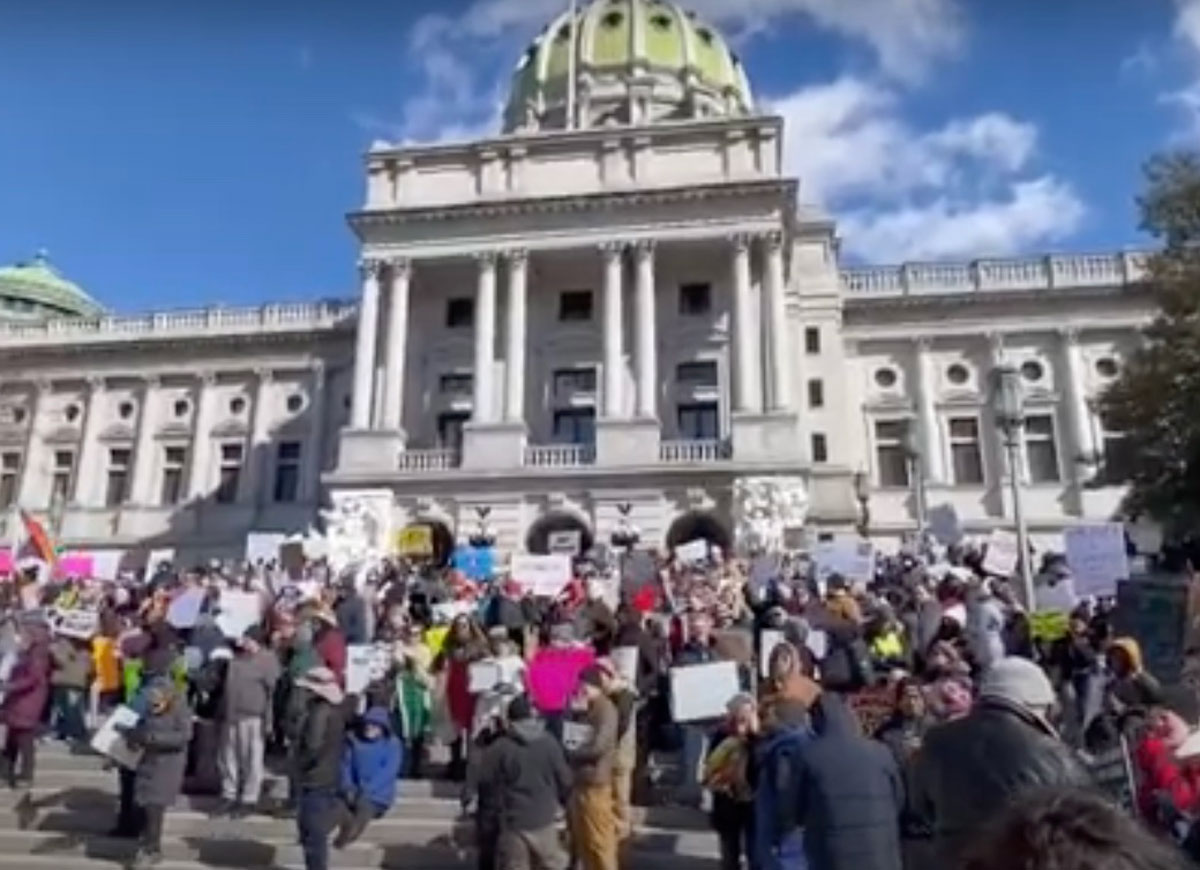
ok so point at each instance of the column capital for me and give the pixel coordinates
(611, 249)
(97, 383)
(371, 267)
(773, 240)
(151, 382)
(399, 267)
(206, 378)
(42, 385)
(1069, 334)
(486, 259)
(923, 343)
(317, 367)
(517, 256)
(644, 248)
(740, 242)
(264, 374)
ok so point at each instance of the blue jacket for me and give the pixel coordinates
(778, 838)
(371, 767)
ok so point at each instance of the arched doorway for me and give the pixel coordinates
(701, 525)
(442, 538)
(537, 541)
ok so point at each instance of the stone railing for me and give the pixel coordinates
(1035, 273)
(691, 452)
(438, 459)
(559, 455)
(273, 318)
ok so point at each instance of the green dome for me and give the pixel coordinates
(636, 62)
(36, 291)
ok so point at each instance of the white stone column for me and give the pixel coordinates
(35, 479)
(259, 460)
(514, 370)
(142, 492)
(400, 276)
(930, 440)
(485, 338)
(313, 453)
(1079, 415)
(781, 371)
(747, 393)
(647, 333)
(91, 460)
(200, 473)
(364, 352)
(614, 326)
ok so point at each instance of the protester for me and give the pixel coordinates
(625, 760)
(778, 835)
(592, 821)
(27, 692)
(371, 764)
(727, 774)
(318, 763)
(70, 680)
(247, 700)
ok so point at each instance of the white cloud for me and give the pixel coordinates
(963, 189)
(1187, 98)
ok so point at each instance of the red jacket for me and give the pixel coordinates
(331, 647)
(1160, 773)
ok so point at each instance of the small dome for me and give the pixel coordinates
(636, 62)
(35, 290)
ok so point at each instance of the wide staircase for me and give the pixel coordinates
(62, 823)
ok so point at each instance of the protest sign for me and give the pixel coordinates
(477, 563)
(769, 639)
(702, 691)
(692, 551)
(446, 611)
(415, 540)
(239, 611)
(184, 608)
(543, 576)
(568, 541)
(1002, 553)
(158, 556)
(1055, 594)
(576, 735)
(625, 660)
(849, 556)
(80, 623)
(109, 742)
(1049, 625)
(1096, 557)
(944, 525)
(260, 547)
(817, 642)
(79, 565)
(763, 570)
(1155, 613)
(482, 676)
(106, 564)
(359, 659)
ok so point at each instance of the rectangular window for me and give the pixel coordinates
(820, 450)
(174, 462)
(456, 384)
(1041, 453)
(699, 422)
(230, 474)
(1118, 459)
(64, 473)
(450, 430)
(816, 393)
(460, 312)
(10, 475)
(575, 426)
(287, 471)
(695, 299)
(697, 374)
(117, 490)
(890, 455)
(812, 339)
(568, 382)
(575, 305)
(964, 450)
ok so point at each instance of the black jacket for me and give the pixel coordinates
(351, 613)
(523, 779)
(970, 770)
(322, 734)
(851, 795)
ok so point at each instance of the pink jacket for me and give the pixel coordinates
(553, 675)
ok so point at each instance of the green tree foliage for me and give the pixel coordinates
(1156, 399)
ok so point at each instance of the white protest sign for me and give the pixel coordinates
(576, 735)
(1096, 557)
(264, 546)
(944, 524)
(446, 611)
(851, 557)
(109, 742)
(770, 638)
(106, 564)
(543, 576)
(568, 542)
(625, 660)
(239, 612)
(359, 659)
(702, 691)
(482, 676)
(1002, 553)
(80, 624)
(817, 642)
(184, 609)
(692, 551)
(1056, 597)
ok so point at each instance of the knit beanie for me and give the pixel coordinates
(1018, 681)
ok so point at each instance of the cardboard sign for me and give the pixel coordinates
(576, 735)
(184, 610)
(543, 576)
(692, 551)
(1002, 553)
(569, 542)
(476, 563)
(483, 676)
(360, 658)
(1096, 557)
(415, 541)
(109, 742)
(625, 660)
(260, 547)
(239, 611)
(846, 555)
(80, 624)
(700, 692)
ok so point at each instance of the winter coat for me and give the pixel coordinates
(523, 779)
(850, 795)
(370, 768)
(972, 769)
(71, 665)
(250, 686)
(351, 613)
(594, 761)
(778, 837)
(318, 749)
(28, 687)
(164, 738)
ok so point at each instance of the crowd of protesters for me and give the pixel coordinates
(884, 722)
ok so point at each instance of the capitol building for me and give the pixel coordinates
(618, 311)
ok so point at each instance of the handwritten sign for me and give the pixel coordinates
(415, 540)
(848, 556)
(1002, 553)
(1096, 557)
(108, 740)
(701, 692)
(692, 551)
(477, 563)
(360, 658)
(568, 541)
(239, 611)
(542, 575)
(625, 661)
(261, 547)
(80, 624)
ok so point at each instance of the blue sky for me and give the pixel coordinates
(186, 153)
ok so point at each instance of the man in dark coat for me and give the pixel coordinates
(318, 763)
(972, 769)
(850, 795)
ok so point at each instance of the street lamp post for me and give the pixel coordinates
(483, 537)
(1008, 406)
(916, 473)
(625, 536)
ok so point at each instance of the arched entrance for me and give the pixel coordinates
(442, 538)
(701, 525)
(538, 539)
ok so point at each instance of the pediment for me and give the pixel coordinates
(10, 435)
(174, 430)
(63, 435)
(230, 429)
(118, 432)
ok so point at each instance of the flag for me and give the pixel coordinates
(42, 546)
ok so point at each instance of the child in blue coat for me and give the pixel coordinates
(371, 764)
